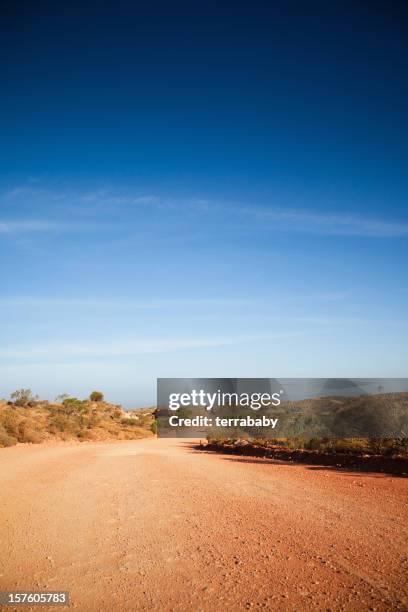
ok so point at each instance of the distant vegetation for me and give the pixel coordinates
(387, 447)
(376, 416)
(23, 397)
(25, 418)
(360, 425)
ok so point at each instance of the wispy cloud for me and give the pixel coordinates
(15, 227)
(20, 226)
(124, 302)
(305, 221)
(281, 219)
(103, 203)
(128, 348)
(27, 192)
(104, 197)
(119, 303)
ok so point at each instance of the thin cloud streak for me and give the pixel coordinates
(25, 301)
(287, 219)
(304, 221)
(118, 303)
(104, 201)
(37, 226)
(14, 227)
(136, 347)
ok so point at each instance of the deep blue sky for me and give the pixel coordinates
(201, 188)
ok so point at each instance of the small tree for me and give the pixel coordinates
(62, 397)
(23, 397)
(96, 396)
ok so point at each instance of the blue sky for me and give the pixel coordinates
(201, 189)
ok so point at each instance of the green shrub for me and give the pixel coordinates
(313, 444)
(62, 423)
(350, 445)
(96, 396)
(72, 404)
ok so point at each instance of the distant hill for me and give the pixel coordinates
(379, 415)
(382, 415)
(341, 386)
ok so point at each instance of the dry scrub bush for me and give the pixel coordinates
(6, 439)
(71, 419)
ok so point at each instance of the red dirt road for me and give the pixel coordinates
(156, 525)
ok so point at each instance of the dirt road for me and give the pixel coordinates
(156, 525)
